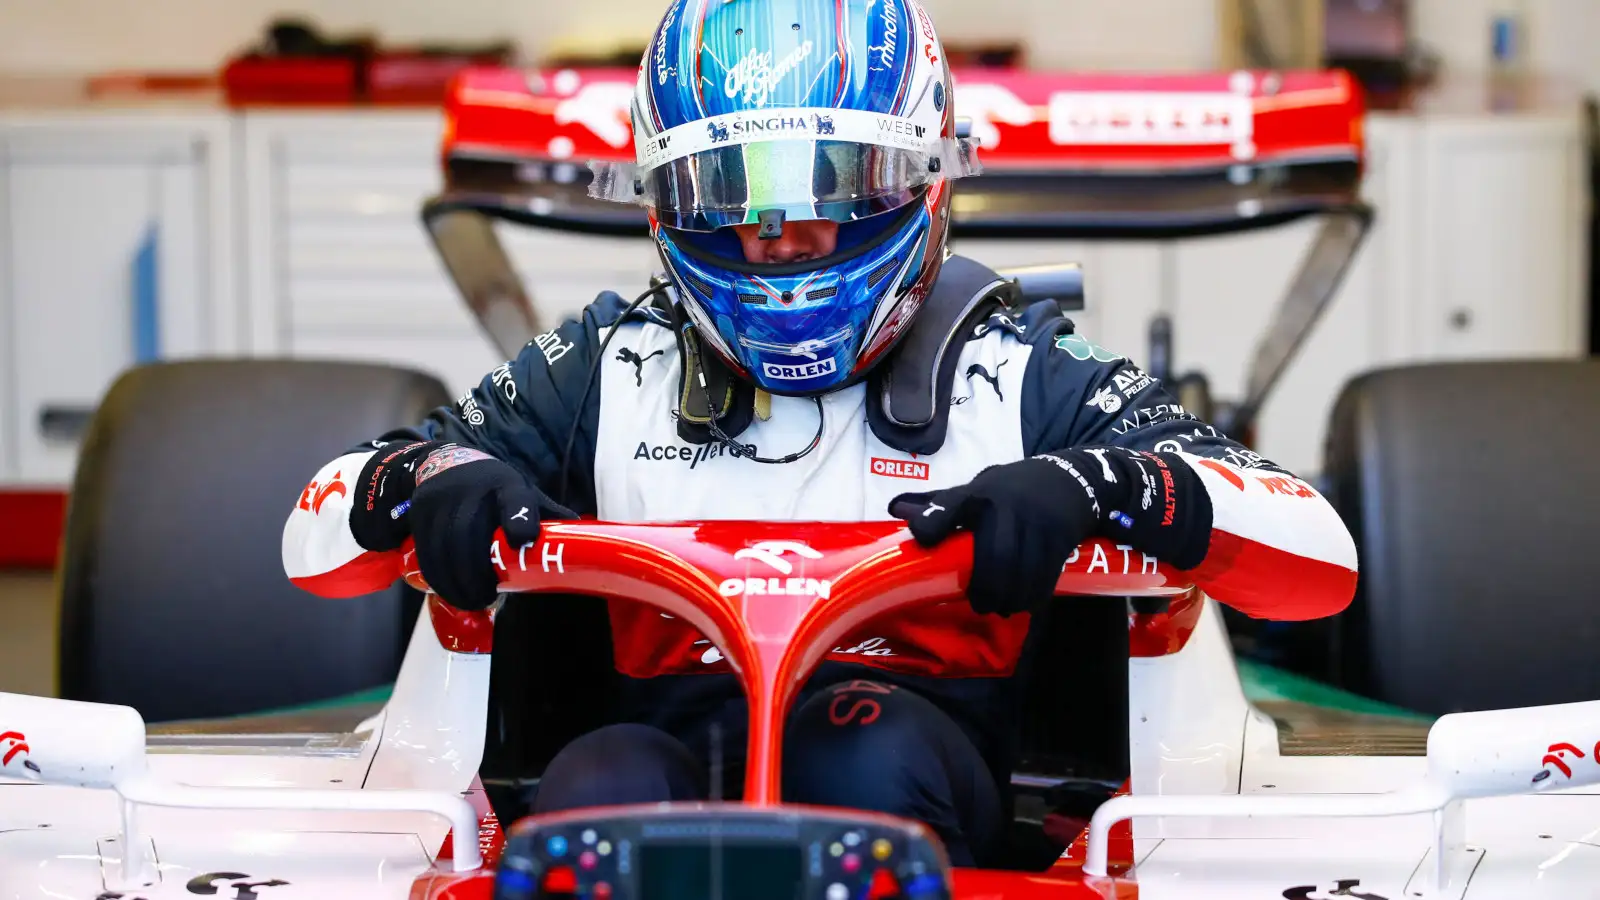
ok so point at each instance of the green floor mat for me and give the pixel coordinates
(1264, 683)
(379, 694)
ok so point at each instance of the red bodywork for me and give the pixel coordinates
(845, 575)
(1025, 120)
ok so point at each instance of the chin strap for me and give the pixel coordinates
(696, 387)
(703, 376)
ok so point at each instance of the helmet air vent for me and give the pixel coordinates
(882, 272)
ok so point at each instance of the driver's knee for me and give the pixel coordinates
(617, 764)
(867, 745)
(850, 746)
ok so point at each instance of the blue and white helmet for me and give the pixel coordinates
(815, 109)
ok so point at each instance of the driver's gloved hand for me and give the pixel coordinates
(1027, 517)
(378, 517)
(459, 496)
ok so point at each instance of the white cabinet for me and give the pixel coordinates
(341, 265)
(332, 227)
(111, 258)
(1503, 206)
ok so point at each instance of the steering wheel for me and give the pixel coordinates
(774, 597)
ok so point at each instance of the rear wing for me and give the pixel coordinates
(1069, 156)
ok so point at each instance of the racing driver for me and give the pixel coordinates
(814, 353)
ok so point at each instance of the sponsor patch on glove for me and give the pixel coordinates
(447, 458)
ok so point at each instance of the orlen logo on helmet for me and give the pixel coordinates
(779, 372)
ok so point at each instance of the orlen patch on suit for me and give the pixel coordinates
(898, 468)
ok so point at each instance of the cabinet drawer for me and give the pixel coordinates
(337, 138)
(356, 183)
(359, 249)
(390, 279)
(392, 304)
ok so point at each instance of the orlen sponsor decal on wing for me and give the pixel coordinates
(800, 372)
(1150, 118)
(898, 468)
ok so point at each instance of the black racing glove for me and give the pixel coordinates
(378, 516)
(458, 497)
(1027, 517)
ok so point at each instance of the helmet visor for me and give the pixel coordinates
(746, 172)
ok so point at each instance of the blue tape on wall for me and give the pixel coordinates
(147, 298)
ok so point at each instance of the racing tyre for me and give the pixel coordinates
(1467, 488)
(173, 595)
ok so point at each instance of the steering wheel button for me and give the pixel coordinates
(882, 849)
(512, 883)
(852, 838)
(589, 837)
(602, 890)
(603, 848)
(587, 860)
(837, 891)
(884, 885)
(851, 863)
(560, 880)
(835, 849)
(923, 884)
(556, 846)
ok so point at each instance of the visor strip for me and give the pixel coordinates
(854, 126)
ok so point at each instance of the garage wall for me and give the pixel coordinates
(85, 35)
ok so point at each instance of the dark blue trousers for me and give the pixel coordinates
(858, 744)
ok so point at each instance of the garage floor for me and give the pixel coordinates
(27, 632)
